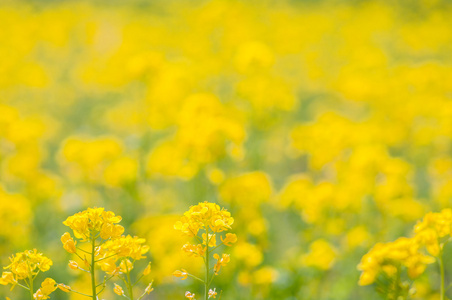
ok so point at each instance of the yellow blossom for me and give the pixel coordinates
(73, 265)
(189, 295)
(64, 288)
(212, 240)
(183, 274)
(386, 257)
(229, 239)
(221, 262)
(149, 288)
(28, 263)
(126, 246)
(195, 250)
(118, 290)
(48, 286)
(68, 243)
(7, 278)
(212, 293)
(432, 229)
(88, 223)
(147, 270)
(125, 266)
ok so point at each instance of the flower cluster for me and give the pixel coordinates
(435, 230)
(28, 263)
(205, 222)
(47, 287)
(342, 115)
(389, 257)
(433, 233)
(207, 216)
(93, 221)
(23, 270)
(114, 253)
(126, 250)
(126, 246)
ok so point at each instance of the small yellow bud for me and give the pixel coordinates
(147, 270)
(73, 265)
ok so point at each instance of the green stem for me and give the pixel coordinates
(129, 282)
(30, 278)
(93, 268)
(139, 278)
(106, 257)
(86, 295)
(23, 286)
(441, 270)
(206, 281)
(194, 277)
(31, 288)
(397, 284)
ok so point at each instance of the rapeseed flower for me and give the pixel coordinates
(211, 221)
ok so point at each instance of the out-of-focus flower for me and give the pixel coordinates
(183, 274)
(118, 290)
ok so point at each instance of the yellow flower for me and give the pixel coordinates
(40, 295)
(229, 239)
(125, 266)
(87, 155)
(149, 288)
(265, 276)
(68, 243)
(118, 290)
(121, 171)
(47, 287)
(387, 258)
(109, 230)
(221, 262)
(28, 263)
(195, 250)
(183, 274)
(205, 215)
(432, 229)
(73, 265)
(126, 246)
(189, 295)
(147, 270)
(211, 220)
(212, 293)
(7, 278)
(64, 288)
(87, 224)
(109, 266)
(212, 240)
(321, 255)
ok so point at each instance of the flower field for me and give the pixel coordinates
(226, 149)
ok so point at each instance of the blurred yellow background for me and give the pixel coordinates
(323, 126)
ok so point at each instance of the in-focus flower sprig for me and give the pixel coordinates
(23, 270)
(113, 252)
(433, 232)
(206, 222)
(96, 227)
(119, 260)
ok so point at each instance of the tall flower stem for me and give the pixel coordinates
(206, 281)
(31, 288)
(129, 282)
(441, 271)
(93, 267)
(30, 278)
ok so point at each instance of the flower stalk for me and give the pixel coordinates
(205, 222)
